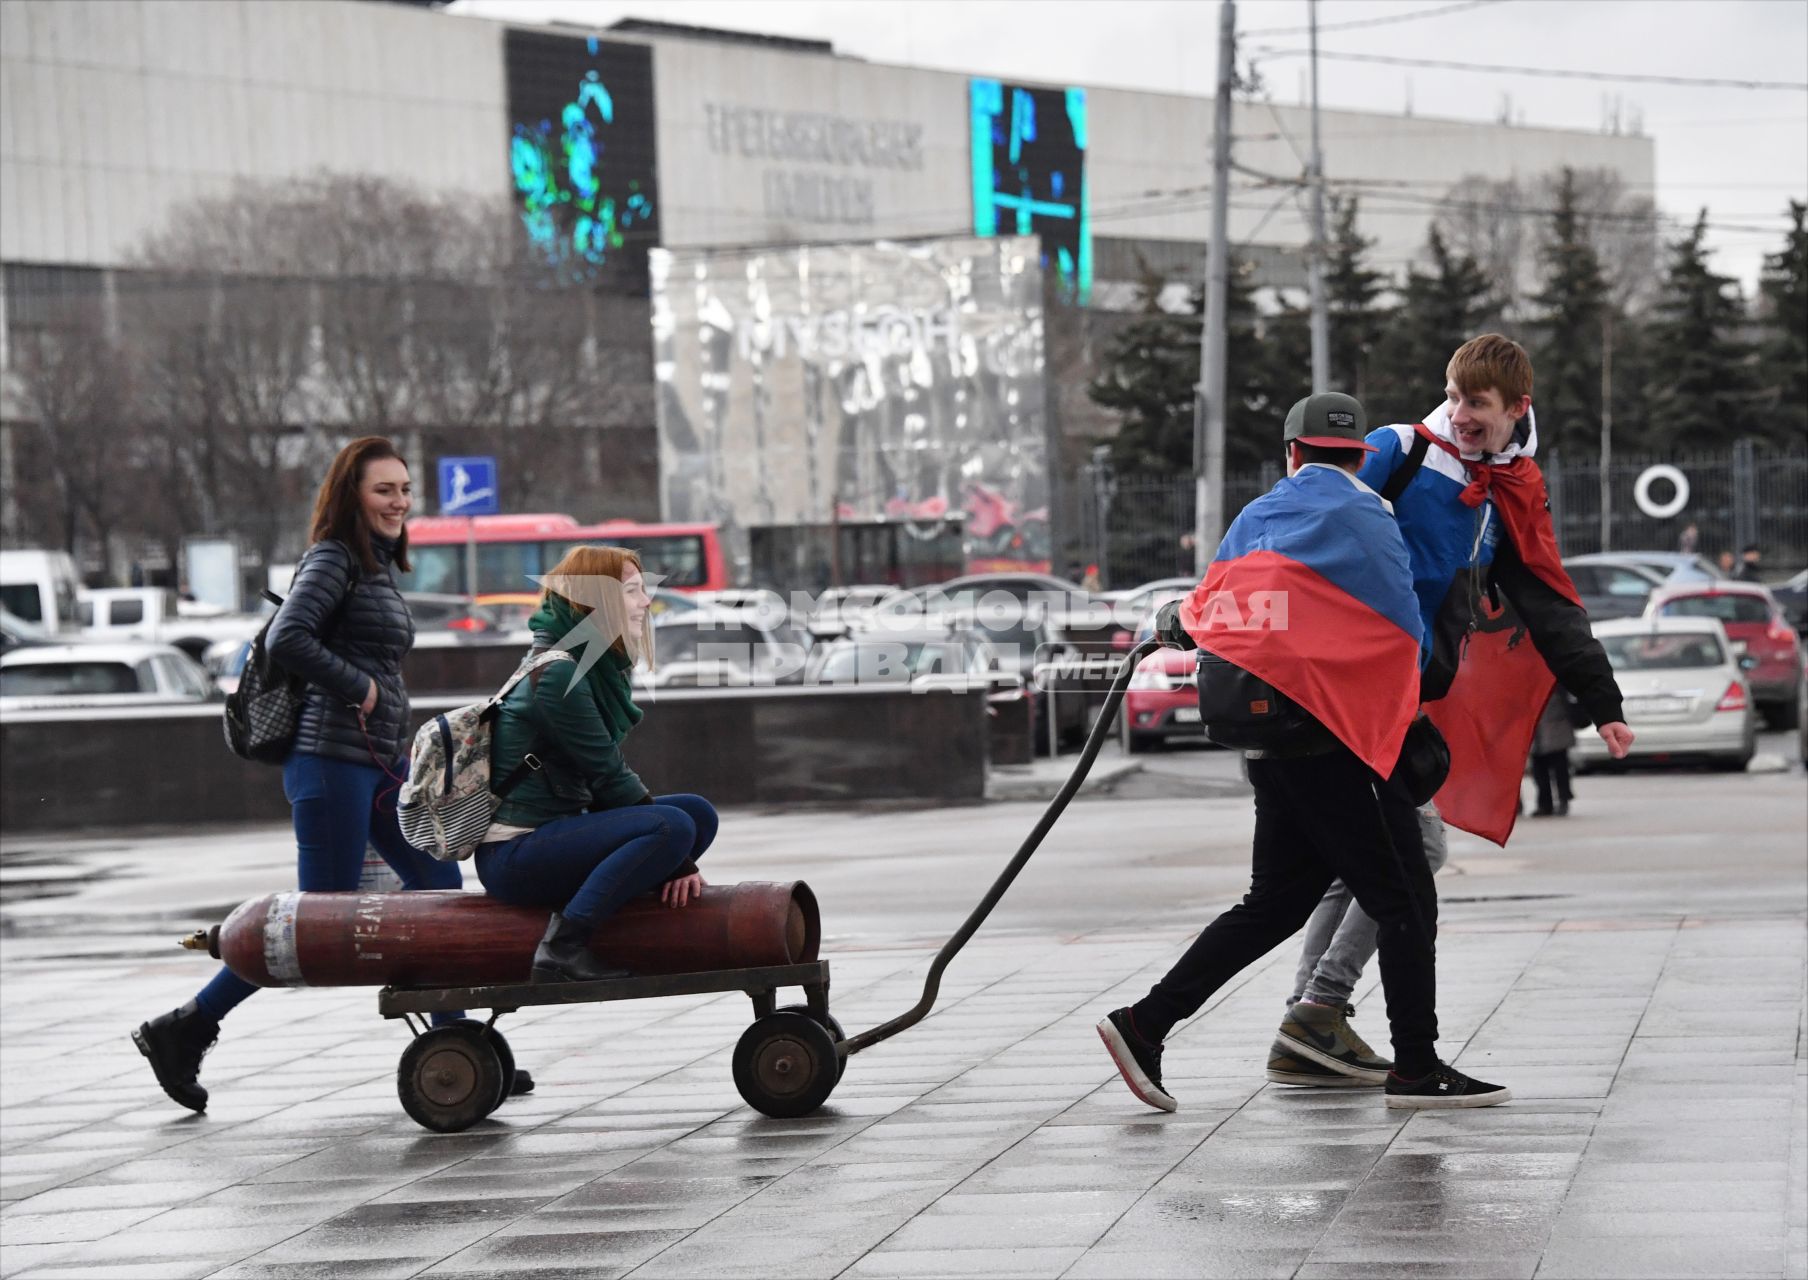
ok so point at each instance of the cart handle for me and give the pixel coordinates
(932, 984)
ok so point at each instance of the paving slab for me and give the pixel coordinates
(1635, 981)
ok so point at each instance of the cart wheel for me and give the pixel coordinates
(449, 1077)
(785, 1065)
(830, 1025)
(506, 1056)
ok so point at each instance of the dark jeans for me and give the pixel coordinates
(1318, 819)
(1550, 771)
(339, 807)
(587, 866)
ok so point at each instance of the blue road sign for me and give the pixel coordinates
(467, 487)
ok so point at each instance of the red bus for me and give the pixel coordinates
(512, 550)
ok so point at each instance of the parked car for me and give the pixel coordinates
(1161, 702)
(1612, 589)
(1685, 693)
(1793, 596)
(96, 674)
(1756, 625)
(1671, 566)
(157, 615)
(446, 611)
(40, 587)
(998, 597)
(838, 608)
(16, 633)
(902, 657)
(722, 648)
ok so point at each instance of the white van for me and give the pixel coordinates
(40, 587)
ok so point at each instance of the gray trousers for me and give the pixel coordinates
(1340, 936)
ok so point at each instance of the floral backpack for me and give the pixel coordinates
(447, 803)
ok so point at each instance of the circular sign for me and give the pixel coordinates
(1641, 491)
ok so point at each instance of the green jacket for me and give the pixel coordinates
(584, 769)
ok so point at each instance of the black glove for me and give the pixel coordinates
(1168, 628)
(645, 799)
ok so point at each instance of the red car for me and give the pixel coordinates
(1162, 701)
(1755, 623)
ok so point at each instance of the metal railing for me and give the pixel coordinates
(1139, 528)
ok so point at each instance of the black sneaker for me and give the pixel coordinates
(1138, 1061)
(1445, 1089)
(175, 1042)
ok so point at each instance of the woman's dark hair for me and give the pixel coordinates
(338, 513)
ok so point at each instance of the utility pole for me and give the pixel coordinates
(1607, 429)
(1315, 263)
(1208, 403)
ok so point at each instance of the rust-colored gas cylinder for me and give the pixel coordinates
(448, 938)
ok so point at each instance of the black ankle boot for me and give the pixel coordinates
(564, 955)
(175, 1043)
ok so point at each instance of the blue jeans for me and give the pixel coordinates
(339, 807)
(589, 865)
(1340, 936)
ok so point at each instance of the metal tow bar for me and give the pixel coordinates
(933, 983)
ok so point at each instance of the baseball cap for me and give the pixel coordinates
(1330, 420)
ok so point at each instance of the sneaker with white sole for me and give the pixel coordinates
(1321, 1033)
(1138, 1061)
(1286, 1068)
(1445, 1089)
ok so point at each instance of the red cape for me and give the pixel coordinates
(1502, 683)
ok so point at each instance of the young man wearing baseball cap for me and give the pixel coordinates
(1347, 648)
(1472, 509)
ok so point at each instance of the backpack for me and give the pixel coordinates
(261, 715)
(447, 803)
(1243, 711)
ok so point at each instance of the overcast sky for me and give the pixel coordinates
(1741, 152)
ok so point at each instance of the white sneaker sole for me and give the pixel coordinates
(1144, 1088)
(1318, 1082)
(1461, 1102)
(1325, 1060)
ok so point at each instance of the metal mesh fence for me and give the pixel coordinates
(1138, 528)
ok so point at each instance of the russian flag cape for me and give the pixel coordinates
(1311, 590)
(1491, 711)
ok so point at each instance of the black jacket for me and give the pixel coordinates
(339, 629)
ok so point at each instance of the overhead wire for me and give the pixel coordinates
(1385, 20)
(1265, 54)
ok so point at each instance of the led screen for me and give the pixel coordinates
(581, 153)
(1029, 173)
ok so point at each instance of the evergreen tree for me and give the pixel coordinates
(1147, 376)
(1783, 355)
(1704, 392)
(1151, 368)
(1440, 309)
(1352, 301)
(1567, 355)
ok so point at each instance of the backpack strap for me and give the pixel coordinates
(530, 763)
(1404, 473)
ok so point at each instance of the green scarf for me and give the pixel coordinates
(609, 677)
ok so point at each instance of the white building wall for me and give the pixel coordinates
(114, 111)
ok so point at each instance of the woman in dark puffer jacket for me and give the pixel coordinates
(344, 629)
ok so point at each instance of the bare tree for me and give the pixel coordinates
(1505, 225)
(73, 393)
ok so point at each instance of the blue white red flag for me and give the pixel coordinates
(1312, 591)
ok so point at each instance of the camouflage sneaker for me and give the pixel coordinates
(1322, 1034)
(1286, 1068)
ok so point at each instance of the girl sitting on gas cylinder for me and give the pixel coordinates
(581, 833)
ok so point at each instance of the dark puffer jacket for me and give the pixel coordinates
(339, 629)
